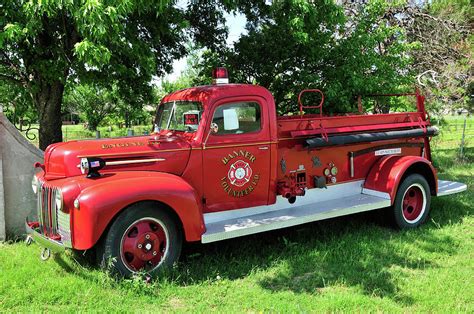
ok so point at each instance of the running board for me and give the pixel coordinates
(291, 216)
(450, 187)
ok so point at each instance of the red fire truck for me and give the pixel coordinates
(221, 164)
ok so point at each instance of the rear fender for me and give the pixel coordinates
(387, 174)
(101, 202)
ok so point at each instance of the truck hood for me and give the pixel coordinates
(165, 153)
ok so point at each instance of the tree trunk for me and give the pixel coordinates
(48, 100)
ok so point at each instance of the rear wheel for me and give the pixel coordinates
(412, 202)
(141, 239)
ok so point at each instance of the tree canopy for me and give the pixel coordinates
(352, 49)
(45, 44)
(444, 61)
(292, 45)
(102, 48)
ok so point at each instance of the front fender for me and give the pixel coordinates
(102, 200)
(387, 173)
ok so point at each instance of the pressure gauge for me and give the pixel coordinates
(334, 171)
(327, 172)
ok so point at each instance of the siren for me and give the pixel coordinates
(91, 166)
(220, 76)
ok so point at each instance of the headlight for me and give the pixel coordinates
(58, 199)
(34, 184)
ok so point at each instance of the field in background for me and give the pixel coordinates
(350, 263)
(78, 132)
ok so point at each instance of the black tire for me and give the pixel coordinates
(134, 220)
(412, 202)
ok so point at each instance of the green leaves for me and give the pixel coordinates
(92, 54)
(48, 43)
(94, 102)
(294, 44)
(12, 31)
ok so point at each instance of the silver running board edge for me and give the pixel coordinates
(291, 216)
(450, 187)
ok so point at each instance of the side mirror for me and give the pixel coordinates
(214, 128)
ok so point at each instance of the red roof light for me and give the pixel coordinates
(220, 76)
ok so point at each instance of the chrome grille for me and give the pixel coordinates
(53, 223)
(47, 209)
(64, 228)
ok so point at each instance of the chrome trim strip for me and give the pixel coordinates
(129, 162)
(45, 208)
(54, 211)
(135, 161)
(126, 154)
(238, 145)
(39, 203)
(351, 158)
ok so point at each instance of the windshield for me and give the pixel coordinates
(179, 116)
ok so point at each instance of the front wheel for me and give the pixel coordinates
(141, 239)
(412, 202)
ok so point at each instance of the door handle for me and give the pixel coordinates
(263, 148)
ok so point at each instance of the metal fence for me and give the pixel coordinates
(78, 132)
(467, 135)
(456, 132)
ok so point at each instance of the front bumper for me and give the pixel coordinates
(33, 230)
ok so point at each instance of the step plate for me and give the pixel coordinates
(450, 187)
(291, 216)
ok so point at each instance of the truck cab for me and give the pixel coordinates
(221, 164)
(231, 163)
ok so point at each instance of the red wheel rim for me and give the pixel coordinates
(144, 245)
(413, 203)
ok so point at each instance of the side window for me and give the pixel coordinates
(237, 118)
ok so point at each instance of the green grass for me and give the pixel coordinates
(354, 263)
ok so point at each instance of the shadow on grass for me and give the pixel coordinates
(357, 251)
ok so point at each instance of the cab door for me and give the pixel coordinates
(236, 155)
